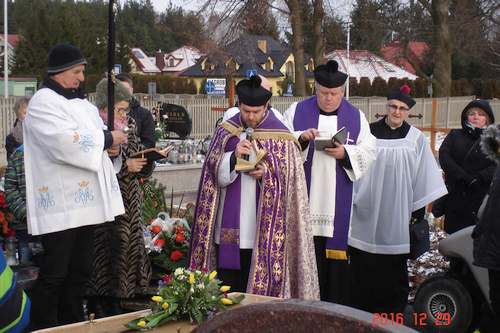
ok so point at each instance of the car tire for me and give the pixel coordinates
(443, 304)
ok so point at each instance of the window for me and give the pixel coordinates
(171, 62)
(289, 69)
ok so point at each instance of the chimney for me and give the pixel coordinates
(262, 45)
(160, 60)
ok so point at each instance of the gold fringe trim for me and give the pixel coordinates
(336, 254)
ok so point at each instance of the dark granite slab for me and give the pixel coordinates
(296, 315)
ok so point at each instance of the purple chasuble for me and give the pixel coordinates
(270, 251)
(307, 116)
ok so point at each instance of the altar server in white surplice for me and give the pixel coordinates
(70, 185)
(403, 180)
(330, 173)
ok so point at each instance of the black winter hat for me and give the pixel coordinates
(482, 104)
(252, 93)
(329, 75)
(63, 57)
(401, 94)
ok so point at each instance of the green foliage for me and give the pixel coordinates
(476, 87)
(181, 27)
(189, 294)
(491, 89)
(365, 88)
(365, 17)
(379, 87)
(353, 87)
(91, 81)
(284, 85)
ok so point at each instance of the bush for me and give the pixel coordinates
(379, 87)
(365, 88)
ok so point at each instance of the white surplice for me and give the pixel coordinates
(404, 178)
(70, 180)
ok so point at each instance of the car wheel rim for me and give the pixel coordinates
(440, 304)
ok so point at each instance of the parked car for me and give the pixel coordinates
(455, 300)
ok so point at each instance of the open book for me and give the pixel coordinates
(153, 154)
(245, 166)
(322, 142)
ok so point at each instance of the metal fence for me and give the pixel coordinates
(204, 119)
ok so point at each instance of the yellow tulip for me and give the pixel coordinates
(212, 275)
(191, 278)
(164, 305)
(157, 298)
(225, 288)
(226, 301)
(141, 323)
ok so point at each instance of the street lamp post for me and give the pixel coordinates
(348, 59)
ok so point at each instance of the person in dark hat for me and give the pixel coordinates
(331, 172)
(71, 185)
(467, 170)
(255, 223)
(402, 181)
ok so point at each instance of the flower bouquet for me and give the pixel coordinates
(189, 294)
(168, 240)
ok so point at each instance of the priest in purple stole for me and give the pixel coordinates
(255, 227)
(330, 172)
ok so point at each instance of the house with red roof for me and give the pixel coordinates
(394, 53)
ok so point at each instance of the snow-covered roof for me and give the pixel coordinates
(367, 64)
(144, 61)
(181, 59)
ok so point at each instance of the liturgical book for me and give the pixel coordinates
(245, 166)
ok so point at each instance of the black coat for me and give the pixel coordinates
(468, 174)
(144, 123)
(486, 234)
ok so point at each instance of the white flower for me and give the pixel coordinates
(179, 271)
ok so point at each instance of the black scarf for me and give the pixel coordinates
(68, 93)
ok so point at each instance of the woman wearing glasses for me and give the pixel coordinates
(121, 265)
(467, 170)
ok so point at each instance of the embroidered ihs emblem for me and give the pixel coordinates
(84, 194)
(45, 201)
(84, 140)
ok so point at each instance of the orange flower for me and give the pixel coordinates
(159, 242)
(156, 229)
(152, 220)
(180, 238)
(180, 229)
(176, 255)
(155, 203)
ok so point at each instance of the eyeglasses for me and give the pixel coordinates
(122, 111)
(393, 108)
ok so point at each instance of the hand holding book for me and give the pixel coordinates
(153, 154)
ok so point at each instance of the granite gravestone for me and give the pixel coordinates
(177, 119)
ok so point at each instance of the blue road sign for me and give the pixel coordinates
(209, 87)
(251, 72)
(289, 91)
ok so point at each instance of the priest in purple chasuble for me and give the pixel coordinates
(330, 173)
(255, 227)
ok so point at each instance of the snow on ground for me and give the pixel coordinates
(430, 262)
